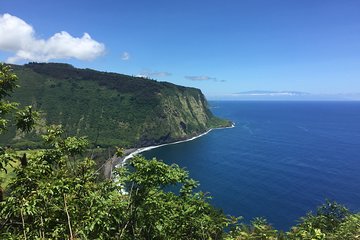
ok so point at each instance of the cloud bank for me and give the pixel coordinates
(203, 78)
(19, 37)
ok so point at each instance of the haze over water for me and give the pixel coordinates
(280, 161)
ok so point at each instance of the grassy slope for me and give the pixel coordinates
(111, 109)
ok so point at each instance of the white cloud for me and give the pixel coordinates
(125, 56)
(160, 74)
(203, 78)
(19, 37)
(200, 78)
(142, 76)
(150, 74)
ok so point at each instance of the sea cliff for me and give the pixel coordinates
(110, 108)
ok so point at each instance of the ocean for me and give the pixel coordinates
(281, 160)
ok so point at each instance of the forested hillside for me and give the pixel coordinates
(110, 108)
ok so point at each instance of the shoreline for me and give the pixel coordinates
(132, 152)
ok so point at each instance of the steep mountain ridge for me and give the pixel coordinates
(110, 108)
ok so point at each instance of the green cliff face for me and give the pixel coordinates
(111, 109)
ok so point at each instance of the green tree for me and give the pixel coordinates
(25, 118)
(57, 194)
(258, 229)
(153, 211)
(349, 228)
(321, 225)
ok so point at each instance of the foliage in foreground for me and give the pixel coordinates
(56, 194)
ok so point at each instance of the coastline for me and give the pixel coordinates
(132, 152)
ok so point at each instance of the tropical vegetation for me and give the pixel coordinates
(57, 193)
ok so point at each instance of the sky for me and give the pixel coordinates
(229, 49)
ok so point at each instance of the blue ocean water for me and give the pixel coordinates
(280, 161)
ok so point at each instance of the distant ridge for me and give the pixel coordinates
(271, 93)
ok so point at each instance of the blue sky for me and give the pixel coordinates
(221, 47)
